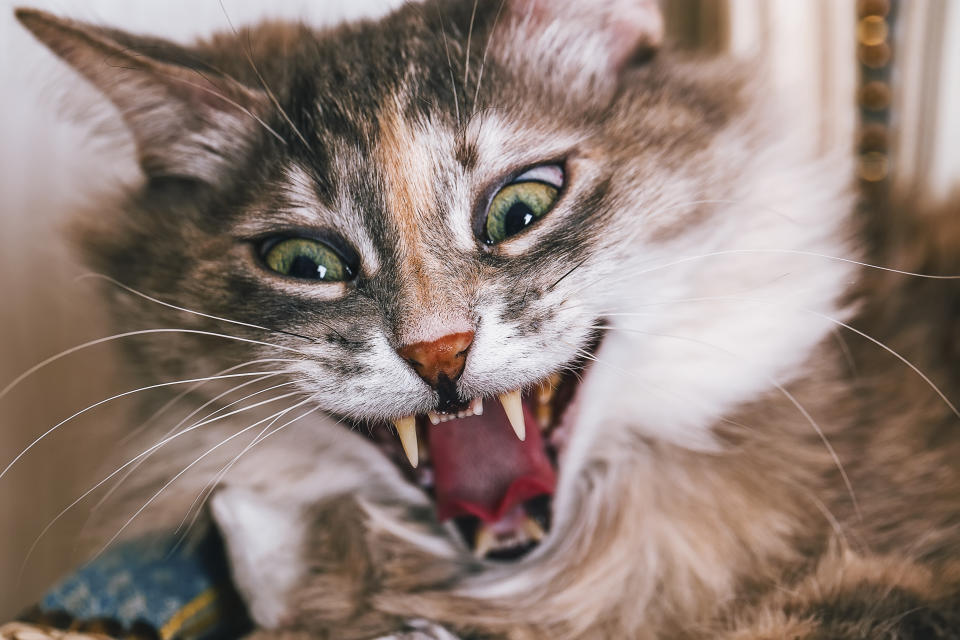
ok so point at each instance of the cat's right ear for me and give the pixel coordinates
(581, 44)
(187, 121)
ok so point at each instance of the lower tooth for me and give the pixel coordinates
(544, 415)
(533, 529)
(484, 542)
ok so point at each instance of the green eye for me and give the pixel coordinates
(307, 259)
(522, 202)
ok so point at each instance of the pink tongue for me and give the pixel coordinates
(482, 469)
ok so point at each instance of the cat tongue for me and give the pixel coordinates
(482, 469)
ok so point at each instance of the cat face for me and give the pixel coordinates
(471, 207)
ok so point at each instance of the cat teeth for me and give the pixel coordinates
(533, 529)
(476, 406)
(475, 409)
(484, 542)
(513, 407)
(407, 430)
(544, 396)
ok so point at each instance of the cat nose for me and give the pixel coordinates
(441, 358)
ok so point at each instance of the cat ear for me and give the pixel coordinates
(186, 120)
(599, 37)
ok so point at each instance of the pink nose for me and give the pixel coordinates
(441, 358)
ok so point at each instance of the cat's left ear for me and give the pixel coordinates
(596, 38)
(187, 120)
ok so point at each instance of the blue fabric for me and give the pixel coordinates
(179, 592)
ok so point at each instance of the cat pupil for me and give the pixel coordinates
(304, 267)
(518, 217)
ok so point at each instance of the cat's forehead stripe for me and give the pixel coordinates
(409, 173)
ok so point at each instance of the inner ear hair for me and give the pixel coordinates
(186, 121)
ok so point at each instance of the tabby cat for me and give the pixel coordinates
(568, 335)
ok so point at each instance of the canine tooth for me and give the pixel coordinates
(533, 529)
(513, 407)
(477, 406)
(484, 542)
(544, 414)
(434, 417)
(407, 430)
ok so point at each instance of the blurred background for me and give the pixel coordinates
(879, 78)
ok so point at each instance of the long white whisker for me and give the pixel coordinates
(112, 398)
(219, 95)
(129, 289)
(792, 252)
(453, 80)
(133, 460)
(114, 488)
(839, 323)
(466, 56)
(194, 463)
(263, 83)
(208, 489)
(180, 396)
(796, 403)
(201, 498)
(92, 343)
(486, 49)
(593, 358)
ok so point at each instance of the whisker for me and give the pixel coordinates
(796, 403)
(210, 91)
(92, 343)
(114, 488)
(486, 49)
(845, 350)
(46, 433)
(207, 490)
(839, 323)
(794, 252)
(201, 499)
(273, 98)
(572, 269)
(194, 463)
(180, 396)
(466, 56)
(129, 289)
(593, 358)
(133, 460)
(453, 81)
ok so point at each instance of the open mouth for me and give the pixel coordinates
(491, 468)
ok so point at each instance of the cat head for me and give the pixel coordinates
(519, 208)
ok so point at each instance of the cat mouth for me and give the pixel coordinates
(491, 468)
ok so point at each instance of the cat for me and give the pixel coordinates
(641, 380)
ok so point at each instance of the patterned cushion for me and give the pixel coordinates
(149, 588)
